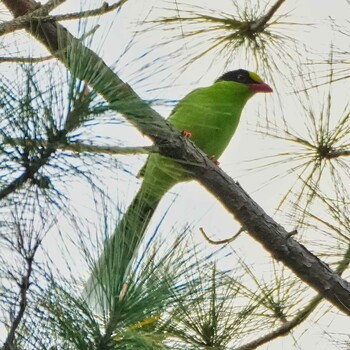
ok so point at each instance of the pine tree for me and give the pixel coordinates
(78, 87)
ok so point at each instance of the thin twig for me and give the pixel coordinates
(105, 8)
(22, 19)
(285, 328)
(224, 241)
(50, 5)
(31, 168)
(300, 317)
(26, 59)
(83, 147)
(23, 302)
(334, 153)
(53, 146)
(259, 25)
(41, 14)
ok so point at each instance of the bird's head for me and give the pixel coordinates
(252, 80)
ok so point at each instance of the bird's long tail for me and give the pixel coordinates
(108, 276)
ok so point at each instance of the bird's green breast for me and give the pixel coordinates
(212, 114)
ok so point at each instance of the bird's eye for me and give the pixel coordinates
(240, 77)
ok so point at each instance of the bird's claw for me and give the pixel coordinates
(186, 133)
(214, 160)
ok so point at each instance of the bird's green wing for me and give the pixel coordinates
(211, 114)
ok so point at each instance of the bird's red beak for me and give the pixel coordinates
(260, 87)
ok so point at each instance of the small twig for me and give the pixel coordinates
(23, 19)
(44, 58)
(25, 59)
(50, 5)
(32, 166)
(41, 14)
(259, 24)
(285, 328)
(105, 8)
(224, 241)
(291, 233)
(334, 153)
(52, 147)
(300, 317)
(83, 147)
(23, 302)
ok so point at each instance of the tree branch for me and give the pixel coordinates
(260, 24)
(285, 328)
(24, 287)
(335, 153)
(300, 317)
(41, 13)
(32, 166)
(105, 8)
(82, 147)
(86, 65)
(223, 241)
(25, 59)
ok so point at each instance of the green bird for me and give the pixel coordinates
(210, 116)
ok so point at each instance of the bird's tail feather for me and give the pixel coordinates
(108, 275)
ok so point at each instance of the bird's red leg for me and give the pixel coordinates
(188, 134)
